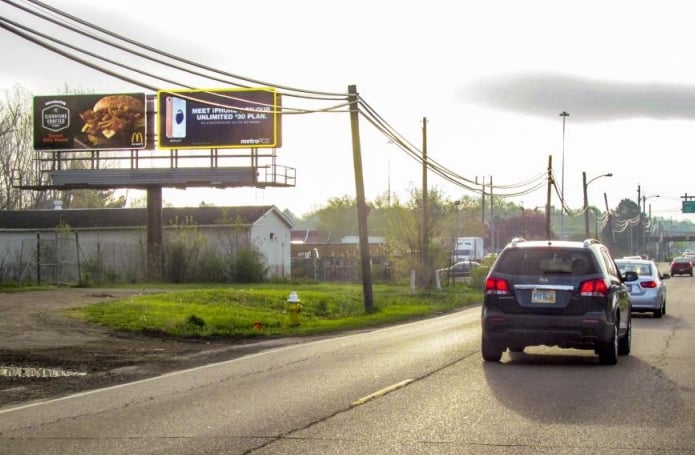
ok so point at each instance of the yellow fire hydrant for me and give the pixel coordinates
(294, 307)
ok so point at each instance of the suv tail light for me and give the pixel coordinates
(593, 288)
(648, 284)
(496, 286)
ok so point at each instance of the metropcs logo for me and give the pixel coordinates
(262, 140)
(55, 117)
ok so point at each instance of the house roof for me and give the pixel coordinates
(134, 217)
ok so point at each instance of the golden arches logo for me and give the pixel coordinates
(137, 138)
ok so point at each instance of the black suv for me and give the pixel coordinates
(557, 293)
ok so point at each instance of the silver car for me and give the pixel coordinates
(649, 291)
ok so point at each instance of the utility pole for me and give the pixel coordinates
(608, 219)
(586, 207)
(362, 209)
(482, 202)
(493, 234)
(564, 116)
(547, 202)
(425, 214)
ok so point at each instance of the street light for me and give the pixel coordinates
(644, 201)
(586, 200)
(644, 211)
(564, 116)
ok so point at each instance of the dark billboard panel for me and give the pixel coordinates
(90, 122)
(219, 118)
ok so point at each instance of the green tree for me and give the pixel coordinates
(530, 225)
(83, 199)
(409, 226)
(338, 218)
(627, 228)
(469, 218)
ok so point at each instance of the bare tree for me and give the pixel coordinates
(16, 149)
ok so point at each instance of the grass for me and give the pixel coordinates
(236, 311)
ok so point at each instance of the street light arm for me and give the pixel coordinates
(586, 200)
(599, 176)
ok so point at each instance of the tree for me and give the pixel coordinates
(626, 225)
(338, 218)
(405, 235)
(529, 224)
(100, 199)
(16, 149)
(469, 218)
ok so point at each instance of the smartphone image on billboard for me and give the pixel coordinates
(175, 121)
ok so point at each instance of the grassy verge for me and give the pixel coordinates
(261, 310)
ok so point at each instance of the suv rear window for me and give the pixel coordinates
(539, 261)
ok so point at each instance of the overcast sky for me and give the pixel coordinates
(490, 78)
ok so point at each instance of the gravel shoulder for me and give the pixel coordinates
(45, 355)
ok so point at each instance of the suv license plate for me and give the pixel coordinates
(543, 296)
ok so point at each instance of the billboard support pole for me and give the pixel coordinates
(154, 232)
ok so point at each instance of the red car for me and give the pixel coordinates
(681, 266)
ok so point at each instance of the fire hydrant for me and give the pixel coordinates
(294, 307)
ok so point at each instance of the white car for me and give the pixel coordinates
(649, 291)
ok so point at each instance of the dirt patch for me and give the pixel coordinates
(46, 355)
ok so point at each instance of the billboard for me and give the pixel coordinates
(90, 122)
(218, 118)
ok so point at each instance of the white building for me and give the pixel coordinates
(117, 238)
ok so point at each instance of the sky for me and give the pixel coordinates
(489, 80)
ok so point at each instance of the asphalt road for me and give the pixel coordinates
(419, 388)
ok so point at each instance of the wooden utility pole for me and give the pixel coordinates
(493, 234)
(362, 209)
(547, 202)
(425, 214)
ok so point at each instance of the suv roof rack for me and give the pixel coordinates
(588, 242)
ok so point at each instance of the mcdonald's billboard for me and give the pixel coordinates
(90, 122)
(219, 118)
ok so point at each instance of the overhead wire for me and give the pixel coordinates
(530, 185)
(525, 187)
(286, 110)
(160, 52)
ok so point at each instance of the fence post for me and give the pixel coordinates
(77, 255)
(38, 259)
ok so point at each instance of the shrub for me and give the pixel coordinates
(248, 266)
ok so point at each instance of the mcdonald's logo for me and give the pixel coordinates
(137, 138)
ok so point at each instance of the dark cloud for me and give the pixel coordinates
(587, 100)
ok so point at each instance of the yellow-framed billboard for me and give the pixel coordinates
(218, 118)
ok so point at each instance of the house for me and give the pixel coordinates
(117, 238)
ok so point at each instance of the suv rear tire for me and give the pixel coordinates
(608, 352)
(491, 351)
(625, 342)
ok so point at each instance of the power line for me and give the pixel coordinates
(61, 19)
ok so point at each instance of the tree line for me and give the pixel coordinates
(400, 222)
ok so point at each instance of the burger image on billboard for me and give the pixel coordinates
(113, 120)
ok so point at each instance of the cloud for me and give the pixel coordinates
(587, 100)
